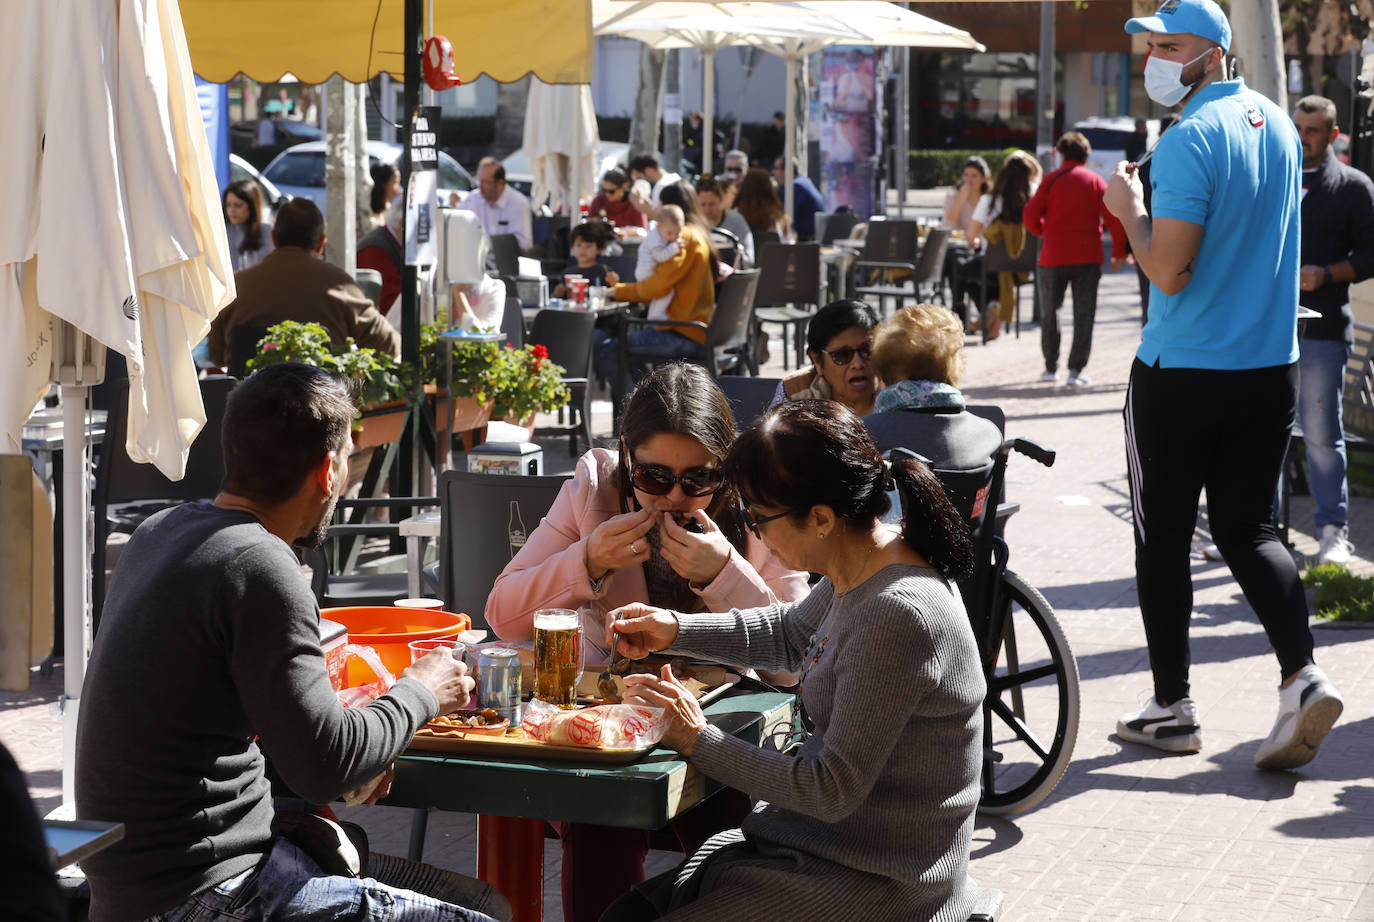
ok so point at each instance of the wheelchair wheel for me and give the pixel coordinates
(1030, 716)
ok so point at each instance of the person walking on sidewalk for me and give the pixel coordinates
(1337, 249)
(1213, 389)
(1067, 212)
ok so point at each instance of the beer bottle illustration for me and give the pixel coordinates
(515, 530)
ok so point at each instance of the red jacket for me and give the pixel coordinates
(1067, 211)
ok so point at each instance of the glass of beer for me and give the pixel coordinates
(558, 656)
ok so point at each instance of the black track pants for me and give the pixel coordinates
(1227, 431)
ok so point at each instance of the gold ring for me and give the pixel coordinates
(634, 549)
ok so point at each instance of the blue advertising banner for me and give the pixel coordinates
(214, 111)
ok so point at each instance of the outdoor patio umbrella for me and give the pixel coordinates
(562, 144)
(791, 29)
(358, 39)
(127, 243)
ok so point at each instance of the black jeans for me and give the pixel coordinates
(1189, 428)
(1054, 281)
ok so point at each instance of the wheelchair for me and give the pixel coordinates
(1030, 714)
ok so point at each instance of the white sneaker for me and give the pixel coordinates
(1050, 377)
(1211, 552)
(1174, 728)
(1307, 710)
(1335, 545)
(1078, 379)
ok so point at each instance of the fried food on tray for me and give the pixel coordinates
(485, 719)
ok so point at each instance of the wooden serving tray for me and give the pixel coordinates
(515, 745)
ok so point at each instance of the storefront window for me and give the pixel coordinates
(978, 101)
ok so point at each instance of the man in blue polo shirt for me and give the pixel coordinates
(1213, 388)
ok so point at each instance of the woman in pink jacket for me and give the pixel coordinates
(624, 530)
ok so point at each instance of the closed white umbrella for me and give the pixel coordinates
(129, 240)
(562, 143)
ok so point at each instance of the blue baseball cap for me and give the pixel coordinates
(1197, 17)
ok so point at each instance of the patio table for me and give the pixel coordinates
(513, 798)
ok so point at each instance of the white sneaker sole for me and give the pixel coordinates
(1188, 743)
(1314, 722)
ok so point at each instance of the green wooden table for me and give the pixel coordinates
(513, 799)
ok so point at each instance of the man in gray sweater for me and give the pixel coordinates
(208, 655)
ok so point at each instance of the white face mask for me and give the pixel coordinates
(1164, 79)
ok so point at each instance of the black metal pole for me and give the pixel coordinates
(404, 472)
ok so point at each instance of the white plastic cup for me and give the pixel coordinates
(419, 603)
(419, 649)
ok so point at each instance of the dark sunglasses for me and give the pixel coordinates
(609, 190)
(845, 354)
(754, 524)
(657, 481)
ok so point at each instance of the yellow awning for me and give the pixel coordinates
(314, 39)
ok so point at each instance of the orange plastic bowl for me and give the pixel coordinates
(389, 630)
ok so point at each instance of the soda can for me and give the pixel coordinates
(498, 682)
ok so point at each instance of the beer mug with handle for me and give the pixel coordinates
(558, 656)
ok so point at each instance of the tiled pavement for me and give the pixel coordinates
(1129, 834)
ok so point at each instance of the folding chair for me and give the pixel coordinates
(889, 246)
(568, 337)
(127, 492)
(749, 397)
(484, 521)
(789, 292)
(997, 259)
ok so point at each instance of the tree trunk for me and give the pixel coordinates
(364, 170)
(800, 118)
(341, 176)
(1257, 40)
(672, 111)
(511, 101)
(644, 119)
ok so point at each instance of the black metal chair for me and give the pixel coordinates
(513, 322)
(485, 519)
(749, 397)
(568, 337)
(505, 248)
(890, 247)
(243, 345)
(837, 226)
(334, 579)
(789, 292)
(127, 492)
(727, 335)
(997, 259)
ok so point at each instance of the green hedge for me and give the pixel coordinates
(932, 168)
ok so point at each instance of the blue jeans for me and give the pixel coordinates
(652, 344)
(1322, 374)
(289, 885)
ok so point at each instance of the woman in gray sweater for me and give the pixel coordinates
(871, 817)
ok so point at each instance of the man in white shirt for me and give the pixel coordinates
(650, 181)
(501, 209)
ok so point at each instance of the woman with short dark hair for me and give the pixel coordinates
(612, 202)
(839, 342)
(871, 816)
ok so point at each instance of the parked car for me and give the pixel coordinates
(519, 175)
(273, 197)
(299, 170)
(1108, 136)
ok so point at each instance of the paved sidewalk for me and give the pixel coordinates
(1129, 834)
